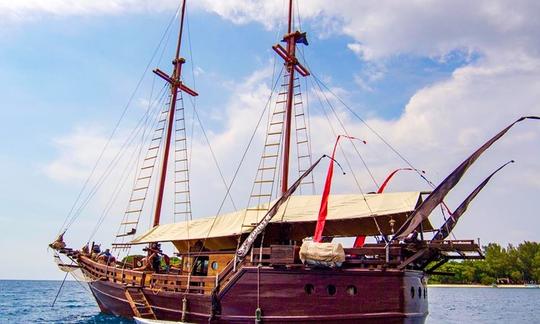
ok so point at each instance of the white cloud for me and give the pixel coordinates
(78, 153)
(24, 10)
(440, 125)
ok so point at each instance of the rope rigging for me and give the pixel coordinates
(72, 215)
(134, 157)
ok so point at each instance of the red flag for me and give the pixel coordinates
(323, 210)
(360, 240)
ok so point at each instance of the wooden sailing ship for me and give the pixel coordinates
(247, 265)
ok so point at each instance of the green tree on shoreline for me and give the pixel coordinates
(518, 265)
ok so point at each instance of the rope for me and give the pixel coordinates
(112, 164)
(371, 129)
(196, 114)
(70, 217)
(346, 132)
(198, 254)
(125, 175)
(59, 289)
(349, 165)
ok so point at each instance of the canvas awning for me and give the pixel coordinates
(348, 215)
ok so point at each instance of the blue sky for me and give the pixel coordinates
(435, 88)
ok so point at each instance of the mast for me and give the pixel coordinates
(176, 86)
(292, 65)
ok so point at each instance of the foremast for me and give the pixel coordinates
(176, 86)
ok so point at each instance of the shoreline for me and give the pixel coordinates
(480, 286)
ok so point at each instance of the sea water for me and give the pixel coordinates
(31, 302)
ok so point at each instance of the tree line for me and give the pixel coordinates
(510, 265)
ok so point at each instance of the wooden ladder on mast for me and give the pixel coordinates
(303, 140)
(139, 304)
(182, 197)
(263, 185)
(130, 221)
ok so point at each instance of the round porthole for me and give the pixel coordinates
(419, 292)
(412, 292)
(351, 290)
(331, 290)
(215, 265)
(309, 289)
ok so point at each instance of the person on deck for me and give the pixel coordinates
(153, 257)
(96, 250)
(106, 257)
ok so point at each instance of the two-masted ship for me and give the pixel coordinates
(277, 260)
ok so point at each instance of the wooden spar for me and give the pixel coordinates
(291, 47)
(291, 64)
(176, 85)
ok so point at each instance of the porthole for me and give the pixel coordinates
(309, 289)
(419, 292)
(412, 292)
(351, 290)
(331, 290)
(215, 265)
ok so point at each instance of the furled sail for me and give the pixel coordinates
(437, 196)
(451, 222)
(244, 248)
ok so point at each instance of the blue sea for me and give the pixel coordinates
(30, 302)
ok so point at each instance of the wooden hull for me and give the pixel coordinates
(288, 295)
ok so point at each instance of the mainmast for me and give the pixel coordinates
(176, 86)
(292, 65)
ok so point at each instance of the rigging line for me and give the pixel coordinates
(335, 135)
(267, 105)
(298, 15)
(350, 167)
(194, 100)
(108, 170)
(196, 115)
(250, 142)
(261, 161)
(122, 115)
(214, 157)
(309, 128)
(346, 133)
(340, 122)
(125, 175)
(140, 125)
(372, 129)
(59, 289)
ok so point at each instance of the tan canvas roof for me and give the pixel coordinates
(348, 215)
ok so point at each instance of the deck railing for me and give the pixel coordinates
(397, 256)
(149, 279)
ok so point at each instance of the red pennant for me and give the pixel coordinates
(323, 210)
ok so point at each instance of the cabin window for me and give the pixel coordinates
(214, 265)
(419, 292)
(201, 266)
(412, 292)
(331, 290)
(351, 290)
(309, 289)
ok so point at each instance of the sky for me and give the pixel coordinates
(435, 79)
